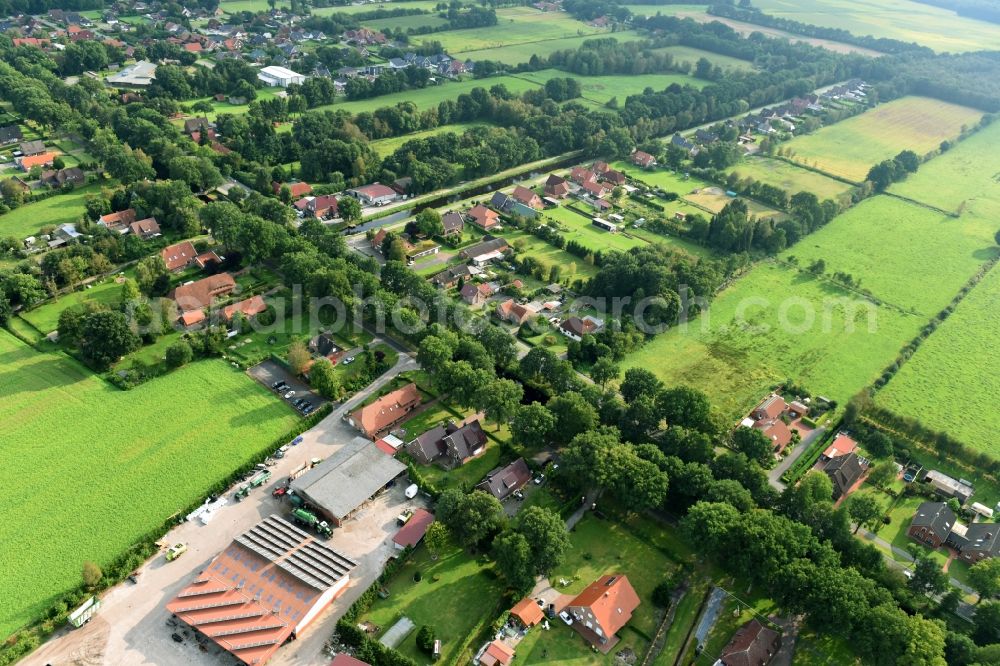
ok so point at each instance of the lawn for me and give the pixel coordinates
(233, 6)
(906, 255)
(570, 265)
(790, 178)
(46, 316)
(578, 228)
(773, 324)
(957, 371)
(516, 26)
(939, 29)
(601, 547)
(386, 147)
(116, 482)
(519, 53)
(453, 595)
(849, 148)
(263, 94)
(29, 219)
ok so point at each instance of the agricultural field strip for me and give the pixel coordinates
(905, 20)
(116, 483)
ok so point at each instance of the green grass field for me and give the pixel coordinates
(225, 107)
(849, 148)
(547, 255)
(360, 9)
(697, 196)
(430, 97)
(54, 211)
(389, 146)
(773, 324)
(232, 6)
(406, 22)
(600, 89)
(907, 255)
(46, 316)
(939, 29)
(789, 177)
(517, 53)
(952, 383)
(90, 491)
(693, 55)
(454, 593)
(516, 25)
(579, 229)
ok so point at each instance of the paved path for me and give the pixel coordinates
(774, 476)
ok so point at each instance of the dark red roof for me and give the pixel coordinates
(410, 534)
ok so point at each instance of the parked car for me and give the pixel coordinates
(348, 360)
(277, 384)
(566, 617)
(280, 386)
(289, 395)
(299, 402)
(539, 479)
(307, 410)
(176, 551)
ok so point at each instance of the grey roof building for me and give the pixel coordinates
(503, 481)
(844, 472)
(339, 485)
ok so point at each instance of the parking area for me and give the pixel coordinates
(270, 372)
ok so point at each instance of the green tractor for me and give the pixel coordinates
(259, 479)
(307, 519)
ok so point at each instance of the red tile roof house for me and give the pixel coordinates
(476, 294)
(527, 197)
(322, 207)
(753, 644)
(556, 187)
(178, 256)
(119, 221)
(514, 313)
(27, 162)
(250, 307)
(602, 609)
(386, 412)
(484, 218)
(196, 296)
(527, 612)
(145, 229)
(579, 175)
(644, 160)
(298, 190)
(766, 417)
(496, 653)
(410, 534)
(613, 177)
(347, 660)
(842, 445)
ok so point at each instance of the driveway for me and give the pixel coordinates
(268, 372)
(774, 476)
(131, 627)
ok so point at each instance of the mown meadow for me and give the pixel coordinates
(89, 469)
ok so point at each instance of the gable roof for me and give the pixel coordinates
(146, 227)
(385, 411)
(274, 566)
(497, 652)
(525, 196)
(32, 147)
(297, 189)
(611, 599)
(343, 482)
(452, 221)
(503, 481)
(483, 216)
(753, 644)
(178, 255)
(249, 308)
(936, 517)
(489, 245)
(199, 294)
(410, 534)
(844, 471)
(122, 218)
(842, 445)
(527, 611)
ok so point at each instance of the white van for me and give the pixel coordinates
(411, 491)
